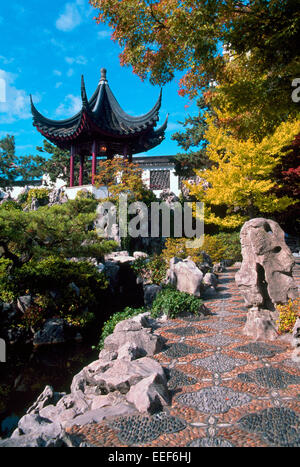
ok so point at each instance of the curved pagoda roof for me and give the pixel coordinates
(102, 119)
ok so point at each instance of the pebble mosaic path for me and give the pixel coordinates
(227, 391)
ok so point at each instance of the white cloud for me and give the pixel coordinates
(70, 18)
(5, 60)
(57, 73)
(70, 72)
(71, 105)
(58, 85)
(17, 102)
(80, 60)
(73, 15)
(174, 126)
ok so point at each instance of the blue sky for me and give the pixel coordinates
(46, 47)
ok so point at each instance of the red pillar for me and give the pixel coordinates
(94, 162)
(72, 166)
(81, 170)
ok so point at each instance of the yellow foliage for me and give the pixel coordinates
(288, 315)
(242, 172)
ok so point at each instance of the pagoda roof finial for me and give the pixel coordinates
(103, 76)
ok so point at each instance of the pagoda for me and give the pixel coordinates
(101, 129)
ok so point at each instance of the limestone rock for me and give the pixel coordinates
(210, 280)
(107, 355)
(50, 433)
(24, 302)
(185, 276)
(132, 332)
(51, 333)
(47, 397)
(150, 293)
(261, 325)
(123, 374)
(97, 415)
(265, 277)
(140, 254)
(150, 394)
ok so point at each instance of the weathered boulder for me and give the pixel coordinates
(140, 254)
(51, 333)
(210, 280)
(47, 397)
(50, 434)
(265, 277)
(150, 394)
(123, 374)
(185, 276)
(261, 325)
(134, 333)
(97, 415)
(150, 292)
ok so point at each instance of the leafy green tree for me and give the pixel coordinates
(13, 168)
(241, 177)
(192, 141)
(159, 37)
(61, 230)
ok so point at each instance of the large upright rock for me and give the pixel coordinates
(185, 276)
(265, 277)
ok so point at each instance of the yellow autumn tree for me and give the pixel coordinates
(240, 179)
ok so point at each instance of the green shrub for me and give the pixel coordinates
(49, 282)
(84, 194)
(218, 247)
(232, 244)
(10, 204)
(152, 270)
(110, 324)
(41, 194)
(288, 314)
(171, 302)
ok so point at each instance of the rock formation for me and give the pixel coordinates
(185, 276)
(124, 380)
(265, 278)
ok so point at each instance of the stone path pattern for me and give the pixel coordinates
(227, 390)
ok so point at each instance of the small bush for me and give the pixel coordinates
(218, 247)
(151, 270)
(177, 247)
(288, 315)
(172, 302)
(41, 194)
(72, 290)
(84, 194)
(110, 324)
(232, 244)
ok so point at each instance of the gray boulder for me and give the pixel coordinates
(47, 397)
(50, 434)
(140, 338)
(185, 276)
(210, 280)
(261, 325)
(51, 333)
(265, 277)
(150, 394)
(123, 374)
(150, 293)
